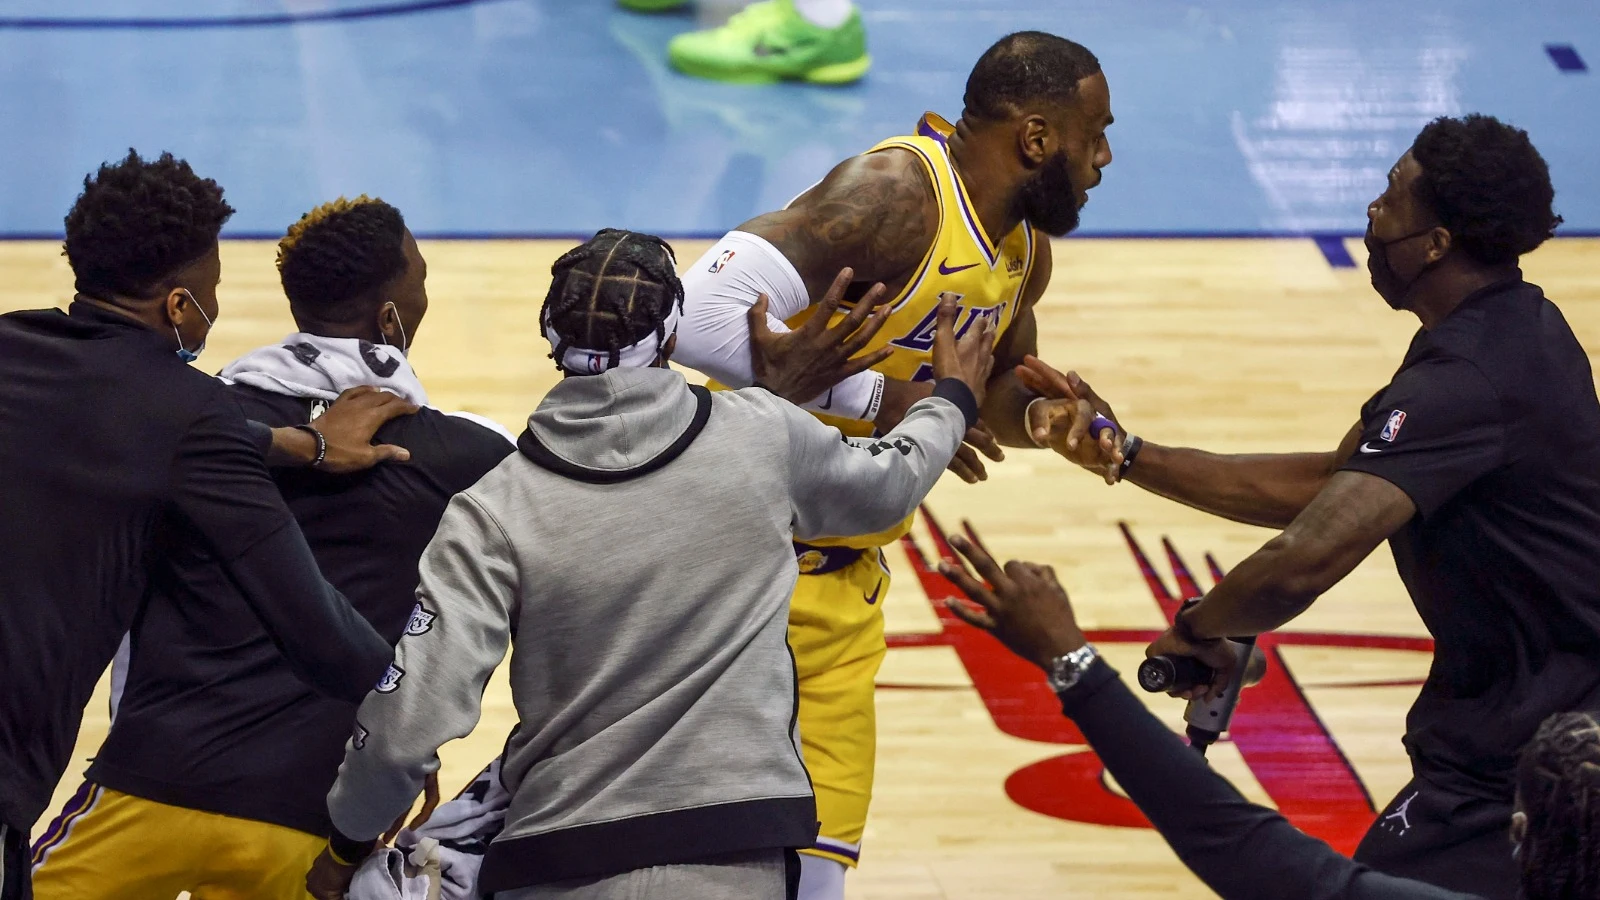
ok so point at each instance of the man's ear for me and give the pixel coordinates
(176, 304)
(1439, 243)
(1033, 138)
(1519, 827)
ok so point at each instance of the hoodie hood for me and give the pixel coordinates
(615, 426)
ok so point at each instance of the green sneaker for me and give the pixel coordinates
(650, 6)
(769, 41)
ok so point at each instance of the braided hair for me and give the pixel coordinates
(610, 292)
(1558, 779)
(334, 260)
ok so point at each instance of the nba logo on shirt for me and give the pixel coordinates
(391, 679)
(724, 259)
(1392, 427)
(358, 737)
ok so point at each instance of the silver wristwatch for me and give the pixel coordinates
(1068, 668)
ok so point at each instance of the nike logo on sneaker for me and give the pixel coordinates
(948, 270)
(875, 591)
(1366, 449)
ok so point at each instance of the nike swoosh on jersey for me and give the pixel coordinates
(875, 591)
(947, 270)
(1365, 449)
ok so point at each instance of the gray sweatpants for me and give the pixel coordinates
(760, 875)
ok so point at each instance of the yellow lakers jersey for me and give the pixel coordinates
(987, 277)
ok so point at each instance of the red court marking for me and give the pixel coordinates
(1280, 736)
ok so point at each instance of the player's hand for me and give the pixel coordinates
(350, 423)
(1072, 410)
(1214, 653)
(1022, 604)
(803, 364)
(967, 464)
(329, 879)
(970, 359)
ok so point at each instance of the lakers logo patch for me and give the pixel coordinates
(391, 679)
(810, 561)
(421, 621)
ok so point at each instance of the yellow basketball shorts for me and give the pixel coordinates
(836, 632)
(108, 845)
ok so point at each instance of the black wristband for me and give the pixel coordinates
(1131, 450)
(956, 391)
(349, 851)
(322, 444)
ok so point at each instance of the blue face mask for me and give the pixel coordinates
(184, 353)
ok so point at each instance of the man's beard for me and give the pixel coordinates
(1050, 199)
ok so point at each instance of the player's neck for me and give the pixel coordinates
(993, 190)
(1445, 289)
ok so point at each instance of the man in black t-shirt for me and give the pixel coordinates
(216, 771)
(109, 441)
(1479, 463)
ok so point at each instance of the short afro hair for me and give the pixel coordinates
(1488, 186)
(138, 222)
(333, 261)
(1025, 67)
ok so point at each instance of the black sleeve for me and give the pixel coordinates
(220, 483)
(1435, 429)
(261, 436)
(1240, 850)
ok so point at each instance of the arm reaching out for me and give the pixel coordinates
(842, 487)
(1240, 850)
(1267, 489)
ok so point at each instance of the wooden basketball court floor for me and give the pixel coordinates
(983, 791)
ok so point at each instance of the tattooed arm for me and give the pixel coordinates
(876, 214)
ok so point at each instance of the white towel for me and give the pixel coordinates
(321, 368)
(454, 838)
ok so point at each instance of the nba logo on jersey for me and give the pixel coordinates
(721, 261)
(1392, 427)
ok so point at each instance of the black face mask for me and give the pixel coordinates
(1050, 200)
(1384, 279)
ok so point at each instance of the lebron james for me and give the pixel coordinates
(961, 209)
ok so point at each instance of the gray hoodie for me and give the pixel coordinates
(636, 556)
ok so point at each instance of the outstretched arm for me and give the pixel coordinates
(1240, 850)
(1267, 489)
